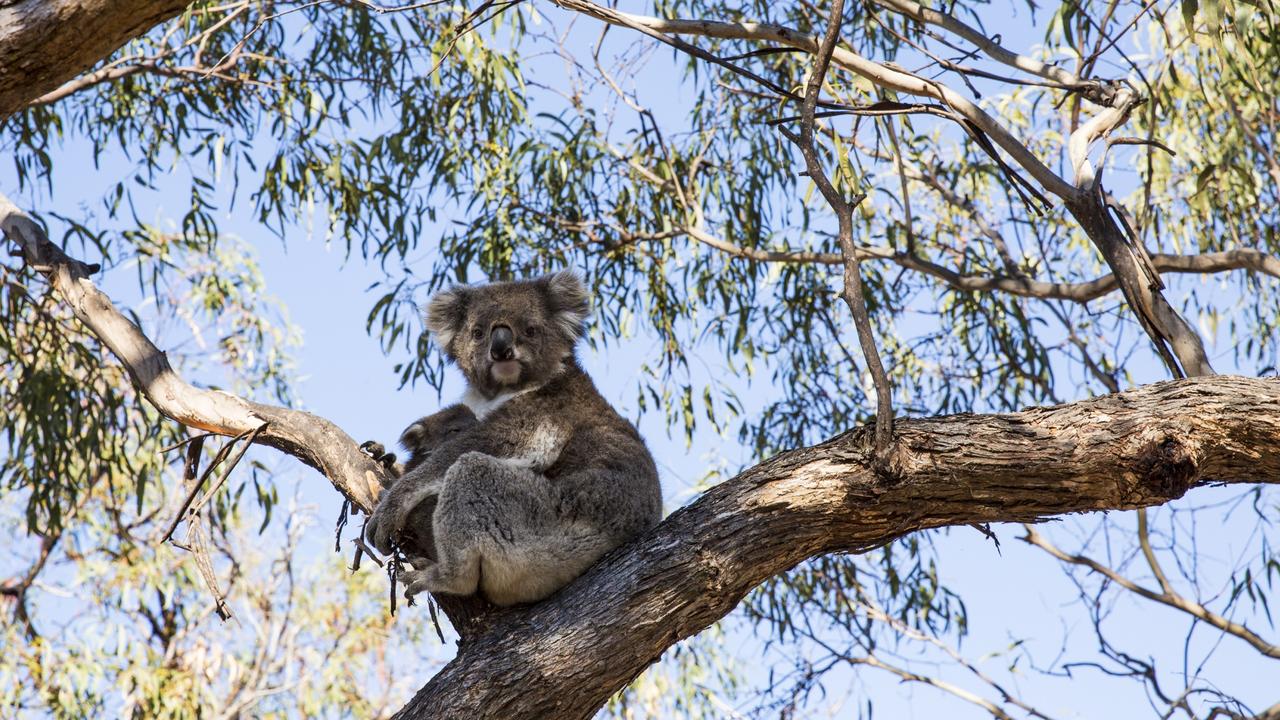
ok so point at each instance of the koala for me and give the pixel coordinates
(548, 479)
(420, 438)
(428, 433)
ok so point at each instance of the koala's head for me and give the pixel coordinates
(511, 335)
(428, 433)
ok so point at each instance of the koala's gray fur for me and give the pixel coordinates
(420, 439)
(428, 433)
(550, 478)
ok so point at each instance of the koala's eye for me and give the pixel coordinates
(477, 333)
(532, 331)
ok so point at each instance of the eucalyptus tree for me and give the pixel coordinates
(890, 210)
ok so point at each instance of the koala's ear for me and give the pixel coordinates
(568, 301)
(446, 312)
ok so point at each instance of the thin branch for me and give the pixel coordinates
(314, 440)
(1165, 597)
(231, 465)
(877, 613)
(192, 483)
(1078, 292)
(887, 77)
(843, 208)
(988, 46)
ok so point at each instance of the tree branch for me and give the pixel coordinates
(44, 43)
(887, 77)
(1080, 292)
(852, 292)
(1123, 451)
(1166, 595)
(1174, 339)
(988, 46)
(312, 439)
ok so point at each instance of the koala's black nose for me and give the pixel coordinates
(502, 343)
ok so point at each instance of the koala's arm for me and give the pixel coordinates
(416, 485)
(532, 446)
(607, 477)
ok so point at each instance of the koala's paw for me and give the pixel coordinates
(386, 522)
(415, 581)
(395, 507)
(375, 450)
(435, 578)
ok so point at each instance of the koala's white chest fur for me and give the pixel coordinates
(540, 449)
(482, 406)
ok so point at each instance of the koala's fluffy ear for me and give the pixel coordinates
(446, 312)
(568, 301)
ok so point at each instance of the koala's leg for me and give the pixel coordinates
(499, 528)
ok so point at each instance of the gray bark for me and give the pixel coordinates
(566, 656)
(44, 43)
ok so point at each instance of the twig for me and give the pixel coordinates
(194, 489)
(342, 523)
(253, 435)
(180, 443)
(843, 208)
(1165, 597)
(199, 546)
(362, 549)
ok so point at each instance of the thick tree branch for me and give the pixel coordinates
(44, 43)
(564, 657)
(313, 440)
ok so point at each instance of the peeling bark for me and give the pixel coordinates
(1177, 343)
(44, 43)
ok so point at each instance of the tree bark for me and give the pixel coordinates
(1175, 340)
(44, 43)
(566, 656)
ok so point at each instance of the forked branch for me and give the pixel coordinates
(312, 439)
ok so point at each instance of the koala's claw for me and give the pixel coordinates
(381, 531)
(415, 582)
(375, 450)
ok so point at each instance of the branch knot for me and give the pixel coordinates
(1167, 467)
